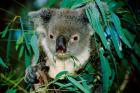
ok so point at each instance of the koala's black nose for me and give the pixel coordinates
(61, 44)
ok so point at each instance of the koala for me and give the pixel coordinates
(64, 36)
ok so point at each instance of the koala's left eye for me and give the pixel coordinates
(75, 38)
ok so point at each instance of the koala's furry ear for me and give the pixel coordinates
(41, 16)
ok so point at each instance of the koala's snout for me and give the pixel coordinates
(61, 44)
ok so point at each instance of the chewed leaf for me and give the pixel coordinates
(35, 48)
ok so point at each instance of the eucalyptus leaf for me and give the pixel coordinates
(21, 51)
(11, 91)
(19, 41)
(135, 62)
(27, 59)
(106, 71)
(93, 16)
(35, 48)
(24, 36)
(77, 84)
(89, 68)
(2, 63)
(102, 9)
(115, 40)
(5, 30)
(84, 83)
(61, 74)
(117, 24)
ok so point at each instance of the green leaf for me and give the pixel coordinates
(135, 62)
(61, 74)
(89, 68)
(93, 16)
(64, 86)
(84, 83)
(66, 3)
(106, 71)
(21, 51)
(27, 59)
(102, 9)
(35, 48)
(19, 41)
(115, 40)
(77, 4)
(24, 36)
(8, 49)
(129, 35)
(77, 84)
(72, 89)
(117, 24)
(5, 30)
(67, 85)
(2, 63)
(11, 91)
(59, 84)
(51, 3)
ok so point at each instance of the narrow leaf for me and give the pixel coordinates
(2, 63)
(117, 24)
(106, 71)
(89, 68)
(27, 59)
(102, 9)
(21, 52)
(93, 16)
(8, 49)
(5, 30)
(24, 37)
(19, 41)
(115, 40)
(61, 74)
(35, 48)
(84, 83)
(135, 62)
(11, 91)
(77, 84)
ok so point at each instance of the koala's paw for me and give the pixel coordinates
(30, 75)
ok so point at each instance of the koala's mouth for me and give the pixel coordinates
(62, 55)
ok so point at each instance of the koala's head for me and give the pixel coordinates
(65, 32)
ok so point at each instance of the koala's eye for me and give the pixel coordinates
(51, 36)
(75, 38)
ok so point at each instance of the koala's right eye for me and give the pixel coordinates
(51, 36)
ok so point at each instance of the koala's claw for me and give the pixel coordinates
(30, 75)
